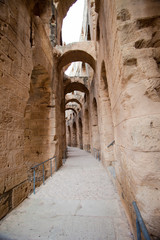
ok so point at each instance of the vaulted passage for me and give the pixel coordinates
(78, 202)
(97, 96)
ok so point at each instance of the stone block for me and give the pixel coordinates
(13, 23)
(1, 183)
(3, 140)
(5, 63)
(11, 121)
(4, 44)
(14, 177)
(15, 55)
(4, 160)
(19, 193)
(13, 9)
(5, 204)
(15, 140)
(3, 100)
(4, 13)
(17, 104)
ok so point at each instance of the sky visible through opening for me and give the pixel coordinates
(72, 23)
(72, 26)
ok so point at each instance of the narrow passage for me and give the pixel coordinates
(78, 202)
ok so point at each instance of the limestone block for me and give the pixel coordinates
(13, 9)
(3, 140)
(26, 66)
(17, 104)
(13, 23)
(3, 100)
(16, 71)
(20, 192)
(149, 67)
(5, 204)
(15, 140)
(1, 183)
(4, 13)
(4, 44)
(15, 158)
(149, 203)
(25, 79)
(139, 134)
(5, 160)
(15, 177)
(5, 63)
(129, 105)
(15, 55)
(11, 121)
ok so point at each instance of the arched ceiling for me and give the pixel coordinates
(80, 51)
(75, 86)
(63, 6)
(73, 100)
(69, 108)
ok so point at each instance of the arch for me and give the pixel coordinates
(74, 135)
(76, 56)
(71, 109)
(76, 86)
(81, 51)
(106, 124)
(38, 123)
(97, 30)
(86, 129)
(95, 113)
(73, 100)
(95, 127)
(68, 136)
(103, 80)
(80, 133)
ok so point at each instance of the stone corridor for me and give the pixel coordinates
(78, 202)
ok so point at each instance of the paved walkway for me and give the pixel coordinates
(78, 202)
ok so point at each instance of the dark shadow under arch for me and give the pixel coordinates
(73, 100)
(76, 86)
(75, 56)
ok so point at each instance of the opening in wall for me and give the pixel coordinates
(98, 31)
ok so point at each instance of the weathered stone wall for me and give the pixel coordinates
(129, 47)
(121, 101)
(28, 115)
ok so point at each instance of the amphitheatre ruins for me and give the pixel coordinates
(107, 108)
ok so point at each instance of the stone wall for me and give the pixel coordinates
(129, 47)
(120, 102)
(27, 85)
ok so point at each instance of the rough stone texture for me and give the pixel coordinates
(119, 80)
(26, 56)
(79, 202)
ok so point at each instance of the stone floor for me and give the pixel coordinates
(78, 202)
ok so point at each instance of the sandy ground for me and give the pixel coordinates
(78, 202)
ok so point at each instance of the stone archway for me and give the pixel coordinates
(68, 136)
(38, 125)
(95, 129)
(74, 135)
(76, 86)
(73, 100)
(71, 108)
(81, 51)
(106, 124)
(80, 133)
(86, 130)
